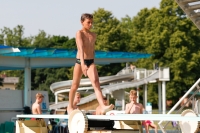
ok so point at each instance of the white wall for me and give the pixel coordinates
(6, 116)
(11, 103)
(10, 99)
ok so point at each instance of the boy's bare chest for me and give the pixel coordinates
(88, 40)
(135, 108)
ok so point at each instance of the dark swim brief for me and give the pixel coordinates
(87, 62)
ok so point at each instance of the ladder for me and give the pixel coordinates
(192, 10)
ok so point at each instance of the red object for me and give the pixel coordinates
(147, 122)
(112, 114)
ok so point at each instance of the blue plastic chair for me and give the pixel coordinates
(9, 127)
(2, 128)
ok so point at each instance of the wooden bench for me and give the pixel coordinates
(133, 125)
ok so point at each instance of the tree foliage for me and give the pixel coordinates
(110, 36)
(174, 42)
(14, 37)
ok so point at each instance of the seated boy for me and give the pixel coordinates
(137, 108)
(98, 109)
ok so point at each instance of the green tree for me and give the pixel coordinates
(62, 42)
(43, 78)
(42, 40)
(14, 37)
(110, 37)
(174, 42)
(1, 37)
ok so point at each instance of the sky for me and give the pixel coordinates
(62, 17)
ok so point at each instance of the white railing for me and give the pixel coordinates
(149, 76)
(174, 108)
(125, 70)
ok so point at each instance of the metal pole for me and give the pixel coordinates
(163, 97)
(178, 103)
(123, 100)
(159, 98)
(145, 95)
(27, 83)
(56, 98)
(138, 94)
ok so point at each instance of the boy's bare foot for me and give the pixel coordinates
(69, 110)
(105, 109)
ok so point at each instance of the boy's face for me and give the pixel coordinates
(133, 97)
(40, 99)
(104, 101)
(77, 99)
(87, 23)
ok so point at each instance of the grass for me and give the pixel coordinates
(167, 124)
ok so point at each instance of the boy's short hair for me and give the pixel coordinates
(86, 16)
(52, 111)
(133, 93)
(104, 98)
(39, 95)
(78, 94)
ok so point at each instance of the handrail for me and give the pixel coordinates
(178, 103)
(184, 104)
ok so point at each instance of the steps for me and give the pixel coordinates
(192, 10)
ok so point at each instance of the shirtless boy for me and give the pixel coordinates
(85, 41)
(137, 108)
(133, 107)
(76, 101)
(98, 109)
(36, 109)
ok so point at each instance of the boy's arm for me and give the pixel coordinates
(79, 43)
(127, 111)
(39, 110)
(141, 109)
(95, 37)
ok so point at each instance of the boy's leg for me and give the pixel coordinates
(97, 111)
(155, 127)
(146, 126)
(77, 74)
(94, 78)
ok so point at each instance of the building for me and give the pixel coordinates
(9, 83)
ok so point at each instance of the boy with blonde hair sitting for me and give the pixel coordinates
(137, 108)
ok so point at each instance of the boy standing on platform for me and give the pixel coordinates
(85, 41)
